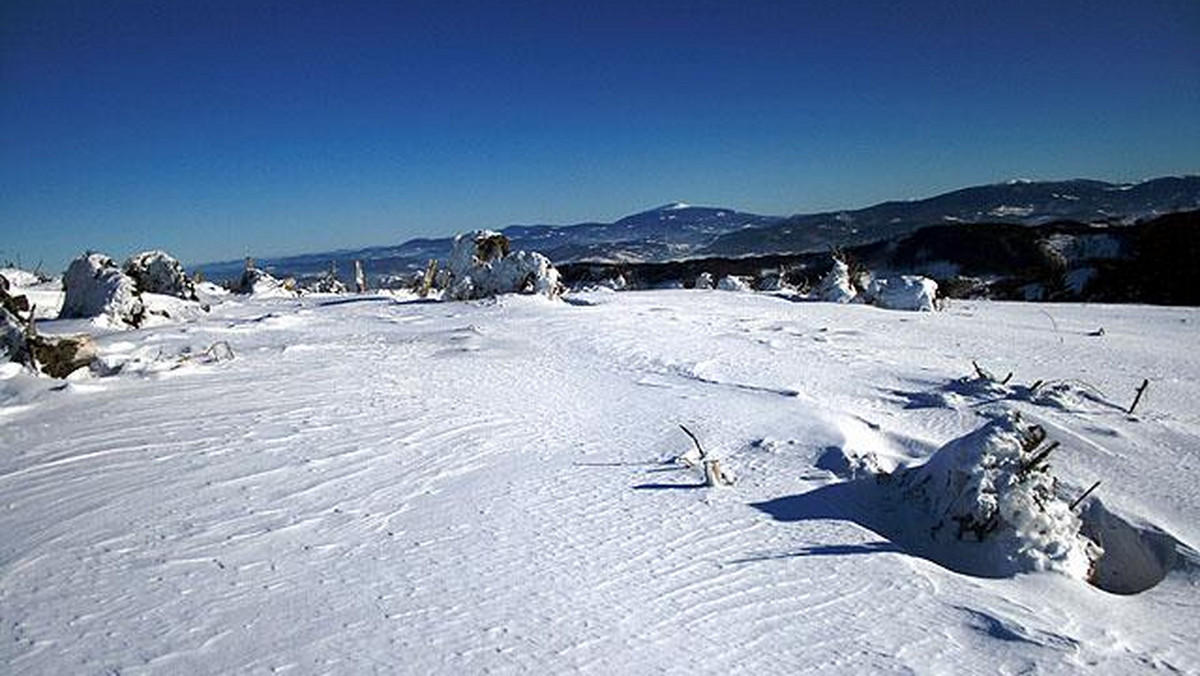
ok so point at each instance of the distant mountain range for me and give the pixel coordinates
(679, 231)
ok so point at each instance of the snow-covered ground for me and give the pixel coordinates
(375, 484)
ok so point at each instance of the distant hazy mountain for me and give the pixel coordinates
(676, 231)
(671, 231)
(1021, 202)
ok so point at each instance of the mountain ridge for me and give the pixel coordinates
(676, 230)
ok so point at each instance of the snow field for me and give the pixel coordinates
(373, 485)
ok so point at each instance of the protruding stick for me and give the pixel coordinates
(1085, 494)
(1140, 390)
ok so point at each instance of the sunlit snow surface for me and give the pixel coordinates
(378, 485)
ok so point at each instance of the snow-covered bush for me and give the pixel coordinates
(328, 282)
(22, 278)
(158, 272)
(732, 283)
(482, 266)
(617, 283)
(95, 287)
(908, 292)
(836, 286)
(260, 283)
(774, 282)
(992, 490)
(704, 281)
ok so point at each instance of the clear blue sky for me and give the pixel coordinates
(217, 129)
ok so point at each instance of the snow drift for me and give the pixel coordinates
(482, 266)
(96, 288)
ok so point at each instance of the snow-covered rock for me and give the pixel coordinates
(988, 490)
(482, 266)
(96, 287)
(907, 292)
(159, 272)
(733, 283)
(836, 286)
(13, 345)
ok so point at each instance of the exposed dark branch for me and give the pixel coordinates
(1029, 466)
(694, 441)
(1085, 494)
(1140, 390)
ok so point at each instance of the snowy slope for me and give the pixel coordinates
(380, 485)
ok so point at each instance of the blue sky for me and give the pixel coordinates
(220, 129)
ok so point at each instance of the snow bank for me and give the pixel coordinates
(988, 486)
(158, 272)
(482, 266)
(96, 287)
(907, 292)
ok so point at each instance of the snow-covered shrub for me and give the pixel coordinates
(158, 272)
(328, 282)
(21, 278)
(704, 281)
(836, 286)
(992, 490)
(260, 283)
(95, 287)
(617, 283)
(908, 292)
(774, 282)
(732, 283)
(482, 266)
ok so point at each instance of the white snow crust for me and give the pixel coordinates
(379, 484)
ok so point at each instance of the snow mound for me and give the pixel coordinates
(481, 266)
(907, 292)
(836, 286)
(159, 272)
(993, 486)
(96, 287)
